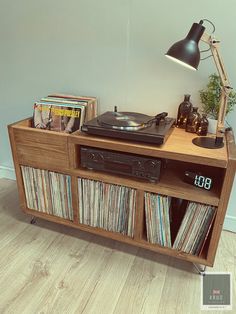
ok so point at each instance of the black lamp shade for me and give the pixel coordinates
(186, 51)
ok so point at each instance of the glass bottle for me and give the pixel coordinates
(203, 125)
(193, 121)
(185, 108)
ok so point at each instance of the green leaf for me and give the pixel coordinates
(210, 97)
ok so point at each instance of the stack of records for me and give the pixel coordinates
(194, 228)
(48, 192)
(107, 206)
(63, 113)
(157, 219)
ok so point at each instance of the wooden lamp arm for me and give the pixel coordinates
(214, 46)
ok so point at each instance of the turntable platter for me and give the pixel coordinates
(129, 121)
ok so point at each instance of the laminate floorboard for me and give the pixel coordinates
(52, 269)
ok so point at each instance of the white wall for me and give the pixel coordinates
(113, 49)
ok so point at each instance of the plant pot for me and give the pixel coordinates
(212, 125)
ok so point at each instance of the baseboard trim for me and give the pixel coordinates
(230, 223)
(7, 172)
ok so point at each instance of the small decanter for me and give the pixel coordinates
(185, 108)
(203, 125)
(193, 121)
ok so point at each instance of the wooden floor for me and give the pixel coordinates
(48, 268)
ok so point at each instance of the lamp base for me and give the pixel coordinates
(208, 142)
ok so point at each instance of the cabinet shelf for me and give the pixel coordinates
(170, 184)
(58, 152)
(178, 147)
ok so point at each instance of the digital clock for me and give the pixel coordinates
(198, 180)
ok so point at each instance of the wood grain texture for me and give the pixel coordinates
(221, 211)
(57, 151)
(178, 146)
(224, 198)
(17, 167)
(41, 149)
(139, 216)
(48, 268)
(75, 204)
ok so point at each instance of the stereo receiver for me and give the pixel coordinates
(121, 163)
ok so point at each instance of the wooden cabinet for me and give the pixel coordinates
(59, 154)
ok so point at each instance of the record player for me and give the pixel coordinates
(131, 126)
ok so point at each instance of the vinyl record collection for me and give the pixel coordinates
(157, 219)
(107, 206)
(63, 113)
(112, 208)
(48, 192)
(194, 228)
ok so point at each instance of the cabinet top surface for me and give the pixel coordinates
(178, 146)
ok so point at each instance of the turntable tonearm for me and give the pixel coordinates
(131, 126)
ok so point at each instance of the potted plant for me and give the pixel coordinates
(210, 98)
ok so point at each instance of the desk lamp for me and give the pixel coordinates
(187, 53)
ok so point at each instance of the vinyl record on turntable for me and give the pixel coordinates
(129, 121)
